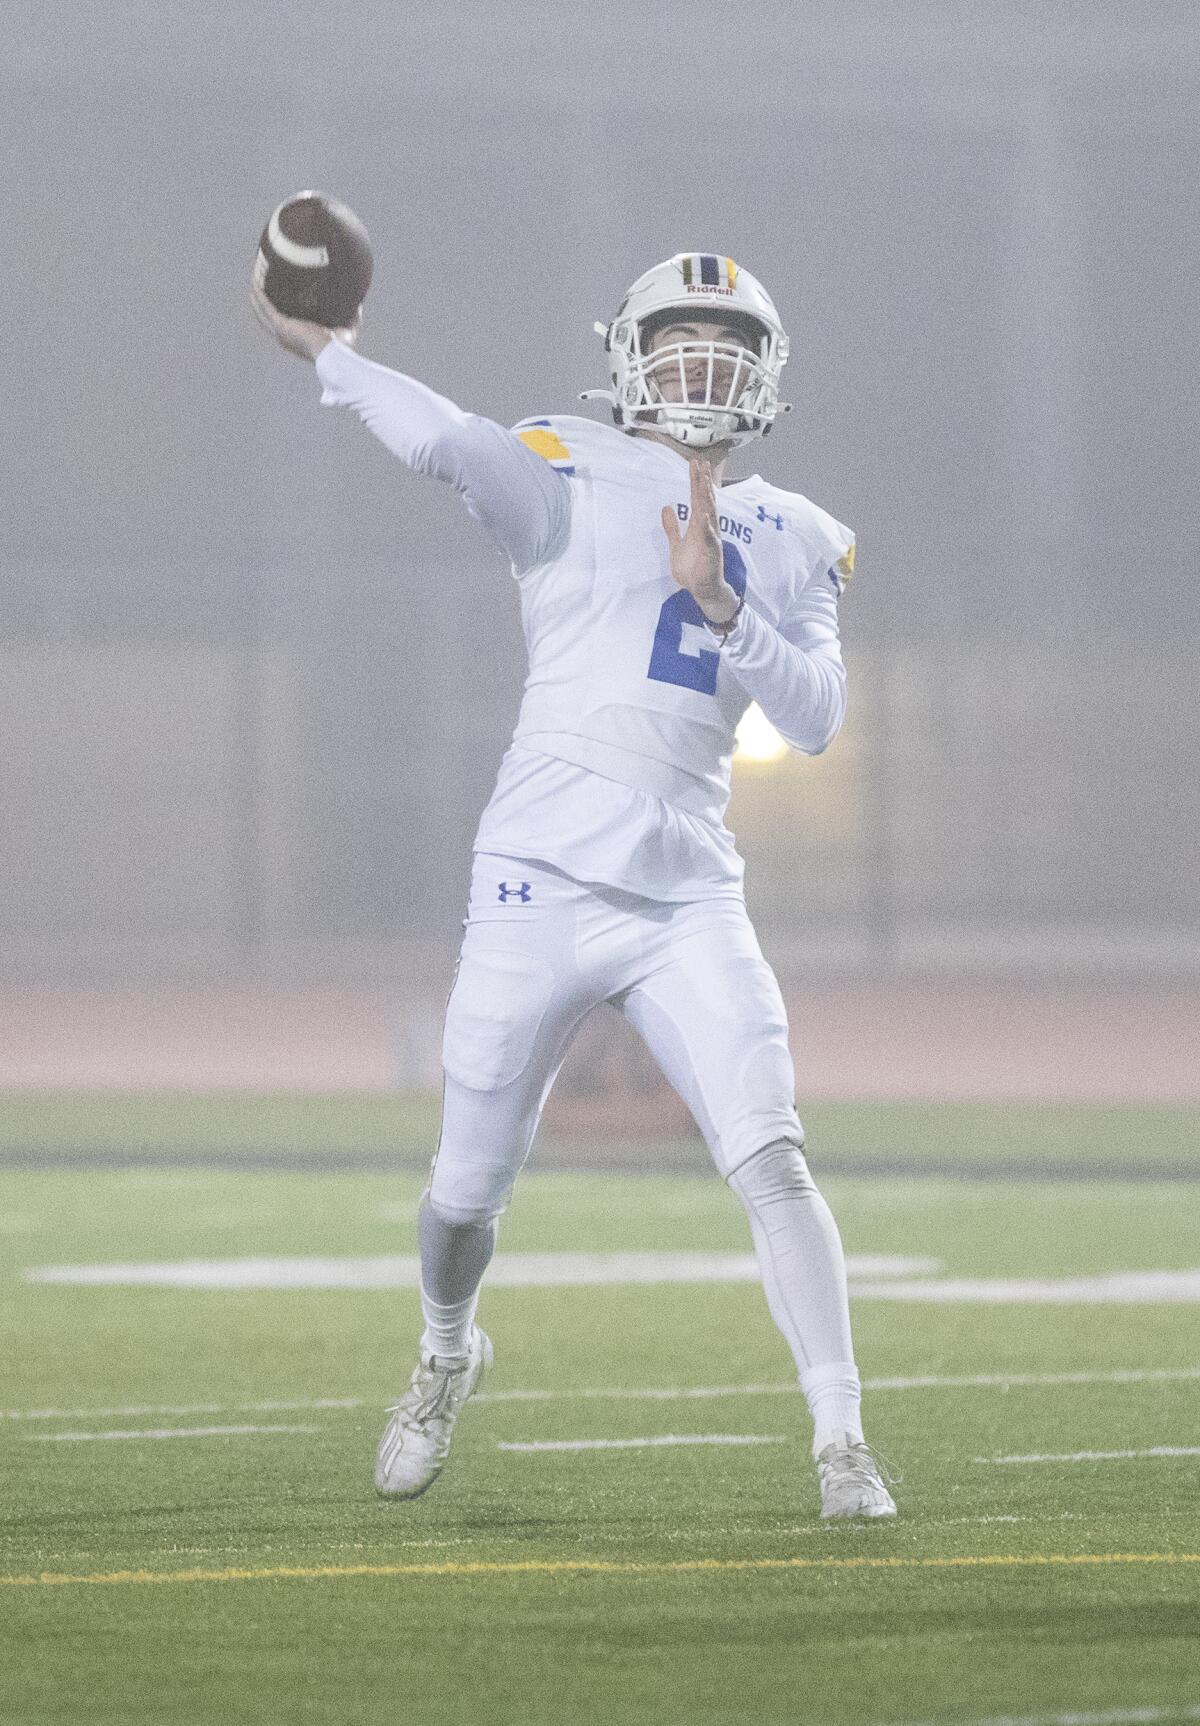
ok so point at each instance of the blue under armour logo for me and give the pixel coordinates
(765, 515)
(522, 891)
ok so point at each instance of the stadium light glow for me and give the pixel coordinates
(757, 738)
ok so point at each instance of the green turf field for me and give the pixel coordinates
(371, 1130)
(253, 1576)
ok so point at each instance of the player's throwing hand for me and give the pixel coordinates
(697, 560)
(296, 334)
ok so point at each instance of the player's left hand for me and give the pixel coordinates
(697, 558)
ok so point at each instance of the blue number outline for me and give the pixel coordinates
(668, 663)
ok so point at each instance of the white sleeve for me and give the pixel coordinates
(521, 500)
(795, 672)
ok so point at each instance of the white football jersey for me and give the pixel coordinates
(619, 770)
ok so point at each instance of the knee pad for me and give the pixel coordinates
(778, 1171)
(467, 1215)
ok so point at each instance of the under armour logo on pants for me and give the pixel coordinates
(522, 891)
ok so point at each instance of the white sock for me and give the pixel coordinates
(804, 1277)
(833, 1393)
(454, 1256)
(448, 1328)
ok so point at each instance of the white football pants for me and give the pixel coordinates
(539, 951)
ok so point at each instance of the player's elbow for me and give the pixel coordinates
(822, 722)
(815, 747)
(814, 742)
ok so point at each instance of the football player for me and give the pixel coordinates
(658, 601)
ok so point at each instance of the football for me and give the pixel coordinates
(314, 260)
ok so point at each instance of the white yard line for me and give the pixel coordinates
(1111, 1717)
(667, 1438)
(926, 1381)
(163, 1432)
(1118, 1288)
(986, 1380)
(1098, 1455)
(399, 1271)
(130, 1411)
(649, 1393)
(645, 1393)
(871, 1278)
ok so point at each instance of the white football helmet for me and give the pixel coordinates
(724, 392)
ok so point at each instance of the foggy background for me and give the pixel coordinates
(256, 679)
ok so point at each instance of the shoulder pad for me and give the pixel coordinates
(544, 438)
(569, 440)
(826, 545)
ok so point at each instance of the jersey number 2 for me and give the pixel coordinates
(668, 662)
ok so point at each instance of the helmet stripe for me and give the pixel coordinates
(710, 275)
(731, 272)
(687, 270)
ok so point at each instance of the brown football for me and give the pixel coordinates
(314, 260)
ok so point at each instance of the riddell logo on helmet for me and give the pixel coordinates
(696, 288)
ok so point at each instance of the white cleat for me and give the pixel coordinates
(416, 1440)
(852, 1482)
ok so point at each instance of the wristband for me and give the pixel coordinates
(724, 630)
